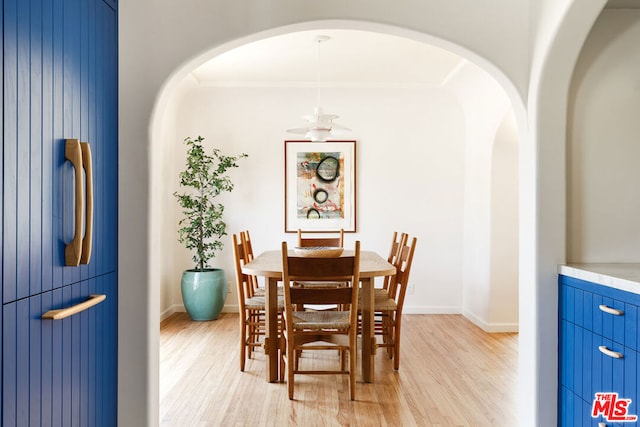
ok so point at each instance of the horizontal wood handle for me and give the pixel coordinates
(607, 309)
(605, 350)
(75, 309)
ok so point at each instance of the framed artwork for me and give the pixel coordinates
(319, 186)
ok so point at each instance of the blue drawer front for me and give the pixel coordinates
(61, 372)
(580, 301)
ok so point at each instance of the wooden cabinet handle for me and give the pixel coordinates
(88, 215)
(73, 251)
(610, 310)
(79, 250)
(70, 311)
(605, 350)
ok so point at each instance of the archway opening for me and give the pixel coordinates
(418, 140)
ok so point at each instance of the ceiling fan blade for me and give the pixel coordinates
(299, 131)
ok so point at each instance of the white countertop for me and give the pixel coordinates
(623, 276)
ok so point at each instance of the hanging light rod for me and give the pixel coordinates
(320, 127)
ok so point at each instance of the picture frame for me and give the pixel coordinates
(320, 186)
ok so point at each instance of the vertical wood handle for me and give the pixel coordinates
(73, 250)
(87, 242)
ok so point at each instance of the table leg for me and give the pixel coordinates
(368, 331)
(271, 326)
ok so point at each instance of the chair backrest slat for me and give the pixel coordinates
(243, 281)
(321, 239)
(308, 268)
(321, 296)
(400, 281)
(394, 252)
(248, 257)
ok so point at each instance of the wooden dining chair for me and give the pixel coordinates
(388, 308)
(251, 307)
(320, 330)
(397, 241)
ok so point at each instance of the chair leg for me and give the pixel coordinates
(352, 366)
(281, 356)
(396, 343)
(243, 341)
(387, 328)
(290, 355)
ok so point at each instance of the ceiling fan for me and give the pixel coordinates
(320, 126)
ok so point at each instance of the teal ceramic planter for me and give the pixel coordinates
(204, 293)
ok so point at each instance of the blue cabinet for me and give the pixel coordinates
(59, 69)
(599, 350)
(60, 372)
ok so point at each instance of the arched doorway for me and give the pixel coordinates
(167, 144)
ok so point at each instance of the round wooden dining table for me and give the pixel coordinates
(269, 265)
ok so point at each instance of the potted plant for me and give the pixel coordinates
(204, 289)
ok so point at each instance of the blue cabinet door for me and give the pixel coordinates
(59, 372)
(60, 81)
(59, 69)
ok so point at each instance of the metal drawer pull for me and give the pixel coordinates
(610, 310)
(604, 350)
(66, 312)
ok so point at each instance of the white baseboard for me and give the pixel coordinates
(490, 327)
(176, 308)
(487, 327)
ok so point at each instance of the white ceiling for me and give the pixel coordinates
(350, 57)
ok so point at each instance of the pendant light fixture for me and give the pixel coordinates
(320, 127)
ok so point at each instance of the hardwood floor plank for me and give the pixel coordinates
(452, 374)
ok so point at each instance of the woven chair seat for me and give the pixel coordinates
(321, 320)
(385, 304)
(381, 302)
(259, 302)
(260, 292)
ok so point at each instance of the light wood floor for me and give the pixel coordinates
(451, 374)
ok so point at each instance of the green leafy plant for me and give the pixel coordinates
(204, 178)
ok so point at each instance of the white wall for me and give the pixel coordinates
(487, 285)
(503, 310)
(604, 144)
